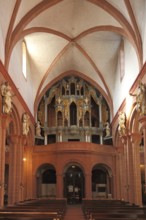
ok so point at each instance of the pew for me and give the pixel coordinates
(35, 210)
(112, 210)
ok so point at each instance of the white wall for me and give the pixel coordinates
(122, 88)
(144, 36)
(1, 46)
(25, 85)
(6, 7)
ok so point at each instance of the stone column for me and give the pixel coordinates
(59, 186)
(12, 188)
(118, 190)
(125, 171)
(22, 141)
(88, 189)
(27, 175)
(142, 121)
(4, 120)
(135, 140)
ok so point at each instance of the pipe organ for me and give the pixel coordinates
(72, 110)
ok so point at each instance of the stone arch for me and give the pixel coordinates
(12, 147)
(136, 149)
(46, 180)
(73, 113)
(73, 162)
(74, 182)
(102, 183)
(134, 121)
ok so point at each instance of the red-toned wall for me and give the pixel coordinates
(61, 154)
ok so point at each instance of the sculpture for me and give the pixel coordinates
(141, 98)
(25, 122)
(7, 95)
(38, 129)
(122, 124)
(107, 129)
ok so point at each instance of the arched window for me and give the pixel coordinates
(86, 119)
(24, 58)
(59, 118)
(73, 114)
(72, 89)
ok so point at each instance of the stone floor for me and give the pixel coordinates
(74, 212)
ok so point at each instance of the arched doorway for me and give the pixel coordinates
(101, 181)
(46, 181)
(74, 184)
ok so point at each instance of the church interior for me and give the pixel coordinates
(73, 101)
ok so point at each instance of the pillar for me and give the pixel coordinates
(4, 120)
(27, 173)
(20, 170)
(13, 160)
(135, 140)
(88, 188)
(59, 186)
(142, 121)
(118, 190)
(125, 170)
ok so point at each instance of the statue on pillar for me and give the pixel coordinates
(25, 123)
(122, 124)
(141, 98)
(107, 129)
(7, 95)
(38, 129)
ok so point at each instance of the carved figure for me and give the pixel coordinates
(25, 122)
(7, 95)
(80, 112)
(107, 129)
(86, 100)
(66, 109)
(141, 98)
(38, 129)
(122, 124)
(59, 100)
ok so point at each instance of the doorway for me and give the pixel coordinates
(74, 184)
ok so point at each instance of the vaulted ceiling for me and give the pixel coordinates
(80, 36)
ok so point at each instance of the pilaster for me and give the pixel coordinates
(59, 186)
(142, 121)
(4, 121)
(135, 140)
(125, 171)
(118, 192)
(13, 160)
(88, 191)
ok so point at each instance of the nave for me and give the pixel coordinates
(58, 209)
